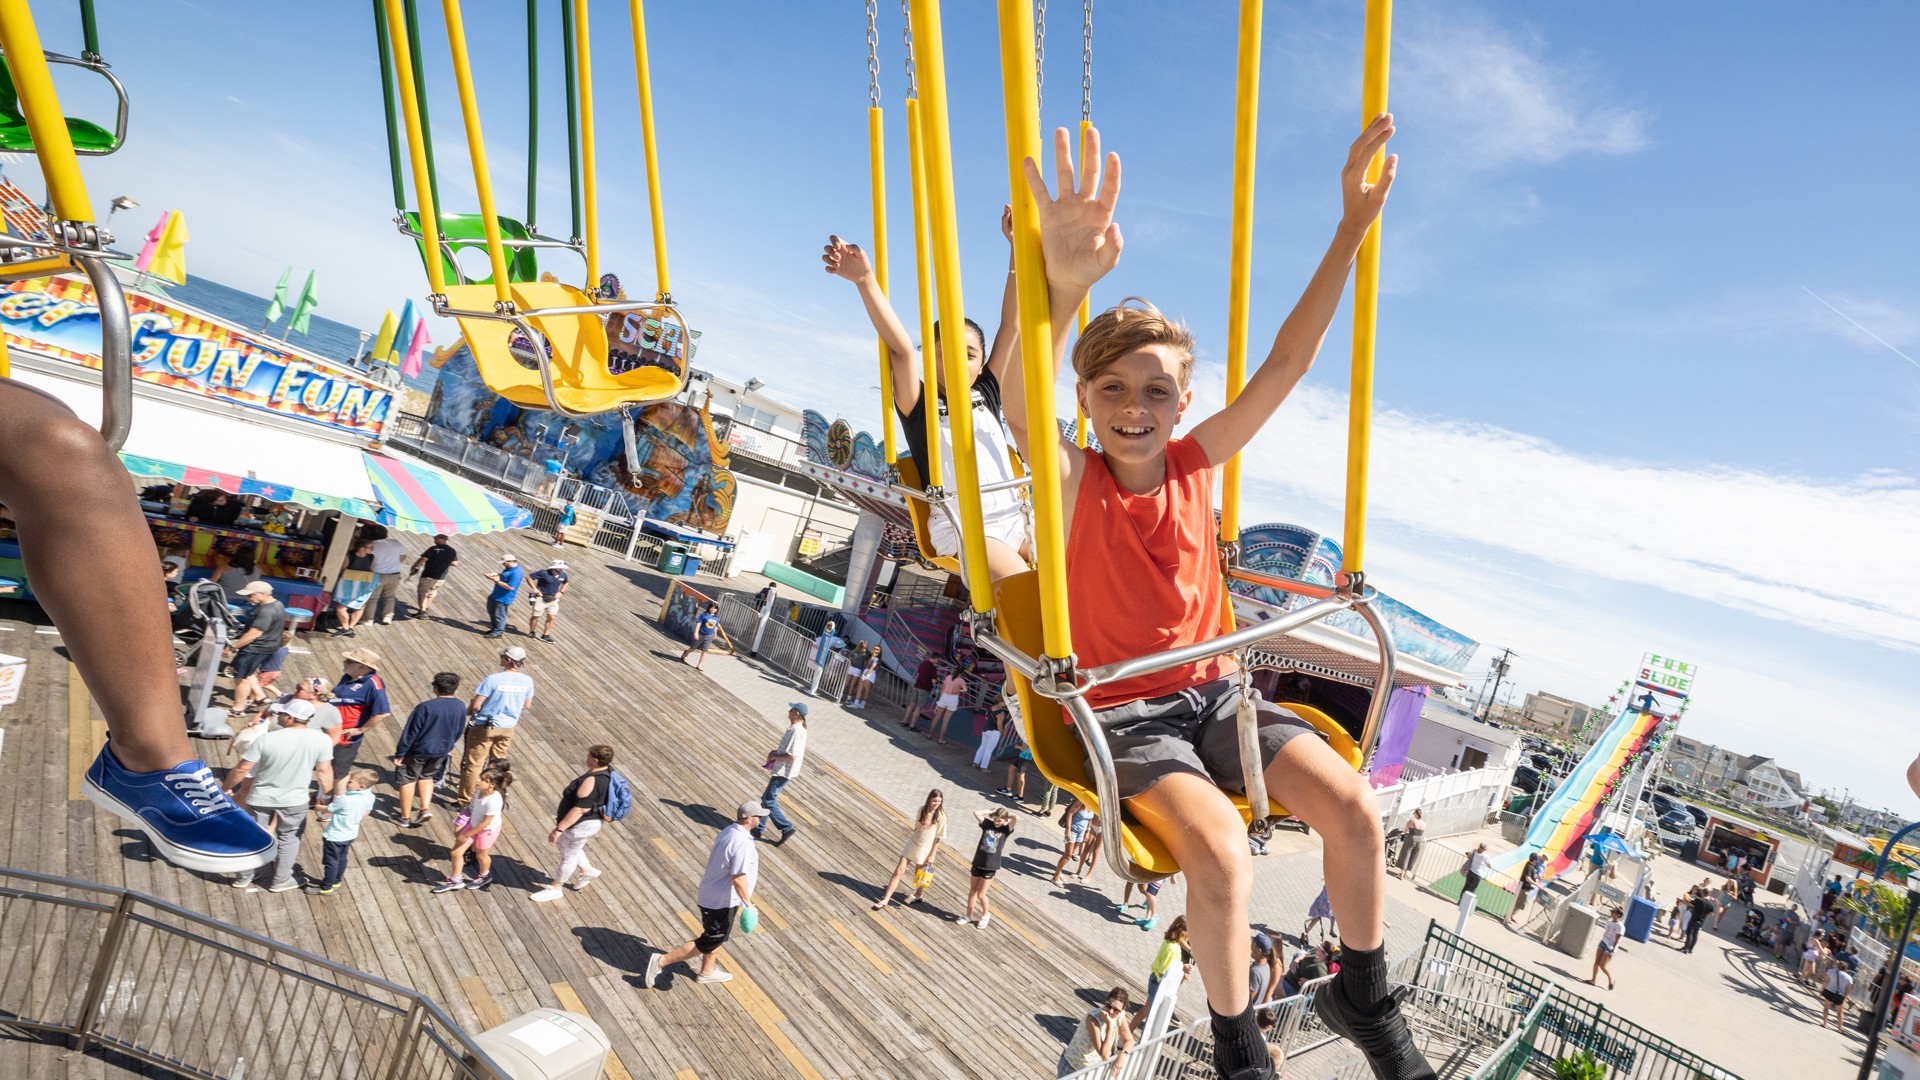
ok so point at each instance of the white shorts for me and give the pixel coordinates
(949, 702)
(868, 676)
(1008, 525)
(545, 607)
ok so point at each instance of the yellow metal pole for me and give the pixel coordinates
(1366, 297)
(41, 105)
(583, 83)
(645, 80)
(932, 470)
(1080, 322)
(930, 60)
(877, 179)
(1036, 329)
(476, 148)
(1246, 135)
(403, 75)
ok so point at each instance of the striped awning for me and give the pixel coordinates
(236, 484)
(422, 499)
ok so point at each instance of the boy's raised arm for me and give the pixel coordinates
(1223, 434)
(1081, 242)
(848, 261)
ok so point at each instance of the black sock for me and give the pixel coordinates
(1363, 977)
(1237, 1042)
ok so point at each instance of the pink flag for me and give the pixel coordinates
(153, 242)
(410, 367)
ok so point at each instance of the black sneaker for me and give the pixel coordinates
(786, 836)
(1383, 1037)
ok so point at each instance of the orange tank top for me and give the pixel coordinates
(1143, 574)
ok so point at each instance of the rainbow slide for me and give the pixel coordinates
(1562, 823)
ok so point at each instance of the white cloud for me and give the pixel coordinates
(1487, 97)
(1834, 556)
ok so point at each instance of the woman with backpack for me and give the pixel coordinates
(583, 807)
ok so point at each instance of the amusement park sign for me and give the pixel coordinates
(178, 348)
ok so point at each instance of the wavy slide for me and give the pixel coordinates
(1562, 823)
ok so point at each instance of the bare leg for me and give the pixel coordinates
(1325, 792)
(1207, 838)
(893, 883)
(406, 801)
(70, 494)
(1004, 561)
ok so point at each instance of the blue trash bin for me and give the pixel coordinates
(691, 565)
(1640, 912)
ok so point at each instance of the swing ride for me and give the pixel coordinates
(537, 341)
(76, 239)
(1023, 618)
(87, 138)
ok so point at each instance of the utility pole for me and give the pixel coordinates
(1500, 666)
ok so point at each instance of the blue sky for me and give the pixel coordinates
(1613, 415)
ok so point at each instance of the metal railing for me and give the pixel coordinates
(783, 645)
(156, 982)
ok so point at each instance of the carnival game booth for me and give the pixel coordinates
(238, 444)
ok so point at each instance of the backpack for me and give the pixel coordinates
(619, 798)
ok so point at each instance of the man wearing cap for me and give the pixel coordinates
(785, 762)
(433, 566)
(733, 867)
(548, 585)
(280, 764)
(506, 586)
(256, 645)
(326, 717)
(493, 715)
(361, 697)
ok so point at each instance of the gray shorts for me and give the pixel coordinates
(1195, 730)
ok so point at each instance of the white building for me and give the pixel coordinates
(1450, 739)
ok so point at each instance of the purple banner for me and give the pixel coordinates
(1396, 734)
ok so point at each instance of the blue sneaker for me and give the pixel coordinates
(184, 814)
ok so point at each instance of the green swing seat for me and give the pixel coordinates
(88, 137)
(470, 231)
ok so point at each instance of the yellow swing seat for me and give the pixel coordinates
(593, 371)
(1057, 749)
(919, 510)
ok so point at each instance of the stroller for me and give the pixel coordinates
(211, 624)
(1755, 929)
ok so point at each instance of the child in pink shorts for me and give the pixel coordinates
(477, 827)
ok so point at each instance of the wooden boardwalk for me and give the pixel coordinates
(826, 988)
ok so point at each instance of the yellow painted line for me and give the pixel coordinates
(572, 1003)
(686, 1074)
(905, 942)
(80, 746)
(860, 947)
(798, 815)
(484, 1007)
(1018, 929)
(667, 849)
(755, 1003)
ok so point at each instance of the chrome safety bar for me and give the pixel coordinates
(507, 313)
(99, 67)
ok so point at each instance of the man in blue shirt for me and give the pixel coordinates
(361, 697)
(432, 731)
(506, 586)
(493, 715)
(548, 586)
(823, 649)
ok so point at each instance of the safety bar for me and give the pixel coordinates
(1284, 584)
(116, 352)
(120, 117)
(1201, 650)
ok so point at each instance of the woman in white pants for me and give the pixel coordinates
(581, 813)
(990, 739)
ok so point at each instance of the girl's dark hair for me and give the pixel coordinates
(928, 815)
(971, 325)
(500, 775)
(1176, 928)
(446, 683)
(1118, 995)
(242, 560)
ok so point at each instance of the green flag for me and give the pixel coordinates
(303, 309)
(278, 305)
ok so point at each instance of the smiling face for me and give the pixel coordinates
(1133, 403)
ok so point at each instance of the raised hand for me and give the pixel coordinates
(1078, 235)
(1006, 222)
(845, 260)
(1361, 201)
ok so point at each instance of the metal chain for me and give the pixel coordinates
(1039, 51)
(873, 55)
(1086, 60)
(906, 38)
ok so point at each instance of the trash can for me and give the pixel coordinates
(547, 1044)
(691, 565)
(673, 556)
(1690, 849)
(1640, 912)
(1577, 926)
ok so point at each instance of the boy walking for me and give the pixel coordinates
(705, 629)
(426, 742)
(343, 816)
(1143, 575)
(784, 760)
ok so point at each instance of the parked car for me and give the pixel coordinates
(1526, 778)
(1699, 815)
(1542, 762)
(1665, 805)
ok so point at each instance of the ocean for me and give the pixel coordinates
(333, 340)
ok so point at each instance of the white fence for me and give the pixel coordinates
(783, 646)
(1450, 803)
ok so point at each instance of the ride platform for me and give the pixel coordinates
(825, 987)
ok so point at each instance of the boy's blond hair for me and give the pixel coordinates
(1123, 328)
(363, 777)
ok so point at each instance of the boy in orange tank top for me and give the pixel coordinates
(1143, 577)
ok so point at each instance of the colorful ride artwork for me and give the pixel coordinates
(667, 456)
